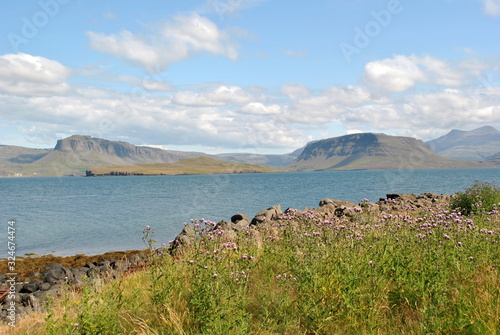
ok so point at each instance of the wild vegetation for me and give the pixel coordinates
(201, 165)
(411, 270)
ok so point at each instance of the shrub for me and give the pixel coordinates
(480, 197)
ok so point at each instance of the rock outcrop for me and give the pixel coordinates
(327, 209)
(31, 295)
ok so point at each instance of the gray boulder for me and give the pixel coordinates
(240, 222)
(271, 213)
(56, 273)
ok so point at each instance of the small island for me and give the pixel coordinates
(187, 166)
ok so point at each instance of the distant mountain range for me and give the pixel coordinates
(475, 145)
(75, 154)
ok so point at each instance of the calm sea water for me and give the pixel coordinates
(72, 215)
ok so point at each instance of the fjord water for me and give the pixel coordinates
(74, 215)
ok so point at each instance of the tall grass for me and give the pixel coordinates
(411, 271)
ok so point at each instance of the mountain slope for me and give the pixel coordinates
(477, 144)
(14, 158)
(73, 155)
(494, 158)
(276, 161)
(372, 152)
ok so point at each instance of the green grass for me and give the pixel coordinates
(202, 165)
(410, 271)
(478, 198)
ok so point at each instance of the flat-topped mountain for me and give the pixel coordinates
(88, 149)
(368, 151)
(73, 155)
(477, 144)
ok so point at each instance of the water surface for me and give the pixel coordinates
(71, 215)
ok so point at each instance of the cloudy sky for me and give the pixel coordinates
(263, 76)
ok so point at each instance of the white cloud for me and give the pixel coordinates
(258, 108)
(32, 75)
(221, 115)
(492, 7)
(295, 91)
(393, 75)
(176, 40)
(325, 107)
(187, 98)
(423, 114)
(401, 73)
(204, 119)
(220, 96)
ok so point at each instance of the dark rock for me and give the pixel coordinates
(271, 213)
(137, 260)
(45, 287)
(78, 276)
(54, 291)
(119, 265)
(57, 273)
(186, 237)
(30, 301)
(326, 201)
(31, 286)
(238, 217)
(370, 207)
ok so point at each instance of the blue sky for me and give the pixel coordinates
(263, 76)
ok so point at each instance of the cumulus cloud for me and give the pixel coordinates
(175, 40)
(258, 108)
(325, 106)
(393, 75)
(402, 73)
(203, 118)
(491, 7)
(295, 91)
(222, 95)
(222, 115)
(428, 113)
(32, 75)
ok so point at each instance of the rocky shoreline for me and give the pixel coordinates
(327, 209)
(41, 277)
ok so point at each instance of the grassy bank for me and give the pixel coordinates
(202, 165)
(410, 270)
